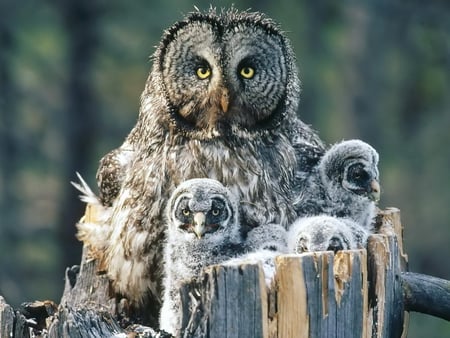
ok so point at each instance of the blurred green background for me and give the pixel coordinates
(71, 73)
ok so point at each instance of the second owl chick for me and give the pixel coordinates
(325, 233)
(345, 183)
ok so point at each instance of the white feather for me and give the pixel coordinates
(88, 195)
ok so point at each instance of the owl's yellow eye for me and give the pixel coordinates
(215, 212)
(186, 212)
(247, 72)
(203, 72)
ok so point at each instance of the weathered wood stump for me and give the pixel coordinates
(357, 293)
(227, 301)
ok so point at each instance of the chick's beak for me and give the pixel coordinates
(199, 224)
(374, 191)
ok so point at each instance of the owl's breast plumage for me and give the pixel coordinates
(259, 172)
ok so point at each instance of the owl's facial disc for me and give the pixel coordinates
(191, 74)
(218, 76)
(200, 214)
(257, 74)
(359, 180)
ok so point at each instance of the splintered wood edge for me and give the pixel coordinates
(293, 318)
(339, 270)
(378, 247)
(223, 288)
(385, 264)
(343, 271)
(389, 224)
(254, 273)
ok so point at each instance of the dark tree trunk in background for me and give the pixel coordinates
(80, 18)
(9, 142)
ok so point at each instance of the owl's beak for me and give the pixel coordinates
(199, 224)
(224, 100)
(374, 191)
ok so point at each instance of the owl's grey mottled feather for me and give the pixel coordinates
(220, 102)
(262, 245)
(111, 172)
(270, 237)
(202, 230)
(345, 183)
(264, 257)
(325, 233)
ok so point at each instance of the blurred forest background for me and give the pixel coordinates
(71, 73)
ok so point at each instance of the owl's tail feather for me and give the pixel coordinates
(88, 196)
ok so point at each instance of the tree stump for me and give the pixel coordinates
(227, 301)
(356, 293)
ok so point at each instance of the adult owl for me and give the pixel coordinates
(220, 102)
(202, 230)
(345, 183)
(325, 233)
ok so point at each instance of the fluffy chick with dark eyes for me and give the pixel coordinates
(345, 184)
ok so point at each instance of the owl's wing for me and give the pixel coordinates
(309, 149)
(311, 198)
(308, 146)
(111, 173)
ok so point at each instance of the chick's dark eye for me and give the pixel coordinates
(185, 212)
(215, 212)
(358, 174)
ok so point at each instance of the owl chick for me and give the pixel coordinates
(202, 230)
(345, 183)
(325, 233)
(262, 245)
(220, 102)
(264, 257)
(271, 237)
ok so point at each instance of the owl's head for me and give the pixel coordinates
(203, 208)
(321, 233)
(352, 166)
(225, 72)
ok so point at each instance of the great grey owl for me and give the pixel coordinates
(345, 183)
(220, 102)
(202, 230)
(325, 233)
